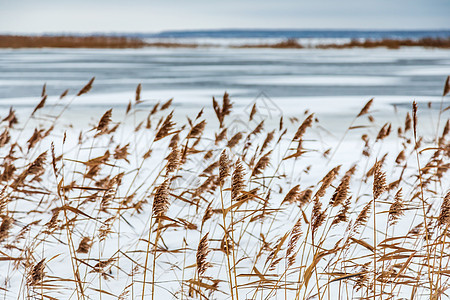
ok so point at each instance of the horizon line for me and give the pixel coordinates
(224, 30)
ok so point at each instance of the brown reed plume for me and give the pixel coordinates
(446, 87)
(293, 195)
(366, 108)
(444, 215)
(161, 199)
(379, 181)
(165, 128)
(237, 180)
(397, 208)
(302, 129)
(85, 245)
(327, 180)
(262, 163)
(87, 87)
(37, 274)
(224, 167)
(5, 226)
(294, 237)
(202, 253)
(340, 194)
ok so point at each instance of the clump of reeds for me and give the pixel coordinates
(151, 207)
(390, 43)
(69, 41)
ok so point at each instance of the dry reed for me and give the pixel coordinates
(269, 216)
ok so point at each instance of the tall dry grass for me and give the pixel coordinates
(428, 42)
(141, 205)
(20, 41)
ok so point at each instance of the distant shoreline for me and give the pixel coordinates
(367, 43)
(118, 42)
(18, 41)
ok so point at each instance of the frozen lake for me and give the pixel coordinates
(245, 72)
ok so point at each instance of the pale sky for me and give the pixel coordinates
(47, 16)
